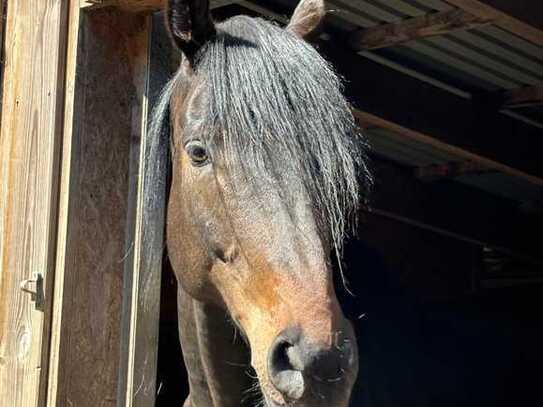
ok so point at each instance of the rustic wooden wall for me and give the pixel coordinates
(32, 101)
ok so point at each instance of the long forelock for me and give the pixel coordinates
(275, 106)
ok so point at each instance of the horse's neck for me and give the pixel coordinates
(215, 362)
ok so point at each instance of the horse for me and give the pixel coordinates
(268, 170)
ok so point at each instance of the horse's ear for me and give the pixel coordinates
(189, 24)
(307, 17)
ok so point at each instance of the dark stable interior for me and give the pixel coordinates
(429, 330)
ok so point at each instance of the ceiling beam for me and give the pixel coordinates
(524, 97)
(136, 6)
(139, 6)
(450, 170)
(521, 17)
(428, 25)
(368, 120)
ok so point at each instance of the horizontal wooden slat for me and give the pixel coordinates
(138, 6)
(415, 28)
(131, 5)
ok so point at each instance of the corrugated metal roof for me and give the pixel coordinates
(407, 151)
(487, 58)
(414, 154)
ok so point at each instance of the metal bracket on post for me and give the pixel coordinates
(34, 287)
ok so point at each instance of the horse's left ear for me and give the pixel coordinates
(189, 24)
(307, 17)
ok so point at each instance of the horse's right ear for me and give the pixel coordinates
(307, 18)
(189, 24)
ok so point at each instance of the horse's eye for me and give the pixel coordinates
(197, 152)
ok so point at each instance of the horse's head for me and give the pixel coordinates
(265, 157)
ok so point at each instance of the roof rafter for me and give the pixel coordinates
(428, 25)
(524, 97)
(521, 24)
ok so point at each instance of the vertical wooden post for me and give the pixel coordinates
(107, 286)
(32, 111)
(141, 307)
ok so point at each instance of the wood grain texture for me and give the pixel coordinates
(63, 276)
(96, 181)
(33, 89)
(141, 305)
(3, 17)
(127, 5)
(141, 6)
(484, 9)
(428, 25)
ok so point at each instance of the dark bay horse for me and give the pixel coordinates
(266, 167)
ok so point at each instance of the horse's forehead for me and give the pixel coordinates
(188, 101)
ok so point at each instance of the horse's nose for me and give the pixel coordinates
(294, 363)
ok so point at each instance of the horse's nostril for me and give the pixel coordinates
(285, 365)
(294, 363)
(280, 356)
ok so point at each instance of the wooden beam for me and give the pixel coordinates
(487, 9)
(141, 6)
(524, 97)
(63, 277)
(105, 124)
(450, 170)
(30, 142)
(145, 237)
(428, 25)
(136, 6)
(368, 119)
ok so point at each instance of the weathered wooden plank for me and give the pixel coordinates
(485, 10)
(449, 170)
(64, 279)
(32, 101)
(524, 97)
(428, 25)
(103, 122)
(141, 303)
(128, 5)
(2, 29)
(139, 6)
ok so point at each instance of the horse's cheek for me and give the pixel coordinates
(185, 249)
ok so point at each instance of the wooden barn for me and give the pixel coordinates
(447, 269)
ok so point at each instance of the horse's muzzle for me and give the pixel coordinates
(299, 369)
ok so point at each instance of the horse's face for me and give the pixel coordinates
(241, 249)
(247, 250)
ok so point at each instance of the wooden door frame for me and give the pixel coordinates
(46, 193)
(125, 39)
